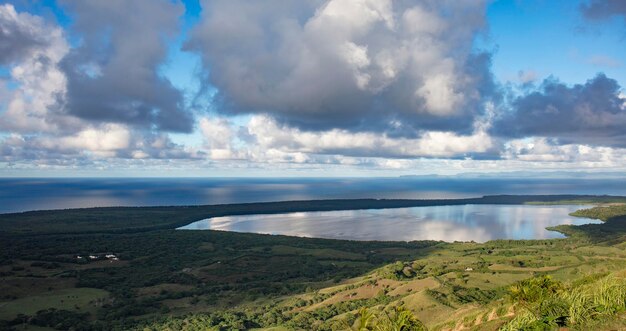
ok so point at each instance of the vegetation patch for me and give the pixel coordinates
(199, 280)
(76, 299)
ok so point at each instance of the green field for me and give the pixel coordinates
(199, 280)
(67, 299)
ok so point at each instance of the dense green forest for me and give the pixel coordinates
(127, 268)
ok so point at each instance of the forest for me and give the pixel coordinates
(127, 268)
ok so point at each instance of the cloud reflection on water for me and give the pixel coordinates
(479, 223)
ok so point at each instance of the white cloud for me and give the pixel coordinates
(268, 134)
(268, 141)
(40, 127)
(439, 92)
(219, 137)
(111, 137)
(542, 150)
(37, 74)
(330, 84)
(109, 141)
(354, 65)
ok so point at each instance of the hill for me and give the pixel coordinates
(126, 268)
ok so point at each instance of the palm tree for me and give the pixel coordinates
(401, 319)
(366, 317)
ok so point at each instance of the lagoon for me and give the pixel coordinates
(477, 223)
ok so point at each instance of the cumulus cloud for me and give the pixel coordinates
(111, 141)
(20, 34)
(545, 150)
(365, 65)
(271, 144)
(220, 137)
(113, 75)
(35, 115)
(362, 83)
(593, 113)
(272, 135)
(34, 68)
(267, 140)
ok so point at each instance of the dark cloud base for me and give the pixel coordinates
(592, 113)
(303, 69)
(603, 9)
(113, 75)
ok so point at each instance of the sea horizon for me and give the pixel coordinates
(27, 194)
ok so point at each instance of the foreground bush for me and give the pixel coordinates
(399, 319)
(548, 304)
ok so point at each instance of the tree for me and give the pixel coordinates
(400, 319)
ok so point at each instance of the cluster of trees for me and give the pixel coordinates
(367, 319)
(603, 213)
(610, 232)
(453, 295)
(58, 319)
(404, 270)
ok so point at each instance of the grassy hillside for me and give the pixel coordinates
(198, 280)
(578, 282)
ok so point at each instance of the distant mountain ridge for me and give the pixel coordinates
(528, 174)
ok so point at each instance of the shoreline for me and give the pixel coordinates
(116, 220)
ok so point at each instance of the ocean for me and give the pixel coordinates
(24, 194)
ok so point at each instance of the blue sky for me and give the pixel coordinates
(552, 38)
(320, 88)
(548, 38)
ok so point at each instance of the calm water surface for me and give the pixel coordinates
(479, 223)
(22, 194)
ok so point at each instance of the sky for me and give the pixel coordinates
(311, 88)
